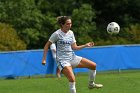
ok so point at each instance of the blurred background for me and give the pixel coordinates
(27, 24)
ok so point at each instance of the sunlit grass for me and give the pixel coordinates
(124, 82)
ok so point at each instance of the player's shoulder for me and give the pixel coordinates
(57, 31)
(70, 31)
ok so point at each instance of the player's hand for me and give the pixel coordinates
(44, 62)
(90, 44)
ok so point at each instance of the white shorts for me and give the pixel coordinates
(72, 63)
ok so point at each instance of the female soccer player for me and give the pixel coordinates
(66, 58)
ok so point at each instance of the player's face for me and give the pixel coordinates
(67, 25)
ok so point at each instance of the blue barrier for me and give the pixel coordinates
(28, 63)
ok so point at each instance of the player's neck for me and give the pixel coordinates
(64, 30)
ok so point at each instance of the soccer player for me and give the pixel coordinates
(65, 56)
(53, 50)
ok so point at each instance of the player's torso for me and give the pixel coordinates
(64, 49)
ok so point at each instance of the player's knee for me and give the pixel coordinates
(93, 67)
(71, 79)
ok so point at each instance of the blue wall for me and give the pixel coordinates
(28, 63)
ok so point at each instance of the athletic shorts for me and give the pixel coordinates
(74, 63)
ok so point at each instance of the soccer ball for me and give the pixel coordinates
(113, 28)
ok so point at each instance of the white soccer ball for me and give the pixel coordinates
(113, 28)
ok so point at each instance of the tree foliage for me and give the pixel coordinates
(83, 24)
(9, 40)
(35, 20)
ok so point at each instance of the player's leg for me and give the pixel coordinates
(68, 72)
(85, 63)
(58, 72)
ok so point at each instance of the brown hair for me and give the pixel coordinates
(62, 19)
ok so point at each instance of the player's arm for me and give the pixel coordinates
(76, 47)
(46, 47)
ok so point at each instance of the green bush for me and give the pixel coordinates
(9, 40)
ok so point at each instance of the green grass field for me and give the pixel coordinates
(124, 82)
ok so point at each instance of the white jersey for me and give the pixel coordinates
(63, 43)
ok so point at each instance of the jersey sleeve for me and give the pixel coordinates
(53, 37)
(73, 38)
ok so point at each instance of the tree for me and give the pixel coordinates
(83, 25)
(133, 33)
(30, 23)
(9, 40)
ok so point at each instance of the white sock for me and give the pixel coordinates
(92, 75)
(72, 87)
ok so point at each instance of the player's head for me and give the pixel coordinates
(64, 22)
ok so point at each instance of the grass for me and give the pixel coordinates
(124, 82)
